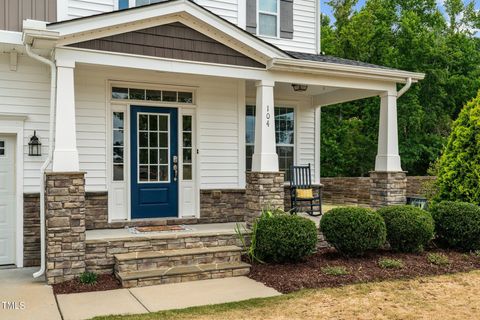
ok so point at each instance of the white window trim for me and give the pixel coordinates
(277, 15)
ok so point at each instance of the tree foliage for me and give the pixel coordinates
(458, 169)
(411, 35)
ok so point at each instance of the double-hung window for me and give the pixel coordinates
(268, 14)
(284, 137)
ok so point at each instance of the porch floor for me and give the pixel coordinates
(209, 229)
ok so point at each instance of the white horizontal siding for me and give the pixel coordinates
(27, 92)
(305, 150)
(227, 9)
(83, 8)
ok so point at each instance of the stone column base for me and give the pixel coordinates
(264, 189)
(65, 225)
(387, 188)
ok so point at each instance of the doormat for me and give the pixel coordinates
(147, 229)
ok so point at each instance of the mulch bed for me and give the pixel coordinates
(104, 282)
(291, 277)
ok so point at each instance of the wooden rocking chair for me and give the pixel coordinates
(302, 195)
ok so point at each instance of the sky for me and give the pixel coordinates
(326, 9)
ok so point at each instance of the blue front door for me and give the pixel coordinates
(154, 157)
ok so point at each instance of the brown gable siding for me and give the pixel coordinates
(175, 41)
(13, 12)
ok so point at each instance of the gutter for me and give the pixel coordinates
(405, 88)
(34, 31)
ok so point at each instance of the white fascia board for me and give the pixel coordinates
(143, 17)
(293, 65)
(11, 37)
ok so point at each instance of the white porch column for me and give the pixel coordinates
(265, 158)
(388, 159)
(65, 154)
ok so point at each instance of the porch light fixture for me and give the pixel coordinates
(299, 87)
(34, 146)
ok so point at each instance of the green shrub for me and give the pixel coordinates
(335, 270)
(352, 231)
(409, 229)
(438, 259)
(88, 277)
(457, 224)
(386, 263)
(458, 167)
(281, 237)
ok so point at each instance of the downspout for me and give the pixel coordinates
(53, 92)
(405, 88)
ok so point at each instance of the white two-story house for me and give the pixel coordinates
(164, 112)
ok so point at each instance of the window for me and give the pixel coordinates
(268, 18)
(118, 145)
(284, 137)
(153, 147)
(187, 147)
(124, 4)
(152, 95)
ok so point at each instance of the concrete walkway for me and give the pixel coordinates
(22, 297)
(81, 306)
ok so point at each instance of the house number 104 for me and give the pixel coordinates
(267, 116)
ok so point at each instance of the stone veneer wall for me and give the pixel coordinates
(96, 210)
(263, 189)
(387, 188)
(356, 190)
(222, 205)
(64, 226)
(31, 230)
(287, 195)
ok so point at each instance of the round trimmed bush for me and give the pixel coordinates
(352, 231)
(457, 224)
(284, 238)
(409, 229)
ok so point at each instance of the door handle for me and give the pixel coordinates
(175, 168)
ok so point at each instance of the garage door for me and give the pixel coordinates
(7, 200)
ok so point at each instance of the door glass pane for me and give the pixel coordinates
(143, 156)
(153, 123)
(187, 155)
(143, 173)
(163, 156)
(163, 174)
(187, 139)
(163, 139)
(143, 139)
(143, 122)
(187, 172)
(187, 123)
(153, 139)
(117, 155)
(268, 5)
(153, 156)
(118, 137)
(268, 25)
(153, 173)
(163, 123)
(118, 172)
(118, 120)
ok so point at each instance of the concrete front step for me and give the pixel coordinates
(151, 260)
(182, 274)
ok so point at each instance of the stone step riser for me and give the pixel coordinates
(162, 262)
(184, 277)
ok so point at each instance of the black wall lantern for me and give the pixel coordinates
(299, 87)
(34, 146)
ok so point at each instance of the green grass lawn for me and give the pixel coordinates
(451, 296)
